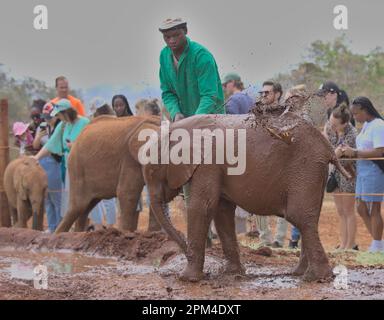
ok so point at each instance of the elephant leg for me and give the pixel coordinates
(40, 219)
(201, 209)
(129, 213)
(81, 221)
(302, 266)
(153, 225)
(13, 213)
(130, 185)
(318, 265)
(76, 210)
(313, 263)
(226, 230)
(24, 213)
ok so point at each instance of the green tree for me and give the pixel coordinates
(357, 74)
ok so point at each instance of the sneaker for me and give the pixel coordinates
(276, 244)
(293, 244)
(91, 228)
(265, 244)
(376, 246)
(355, 247)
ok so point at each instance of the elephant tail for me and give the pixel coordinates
(339, 167)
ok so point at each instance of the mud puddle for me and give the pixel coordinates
(109, 278)
(20, 264)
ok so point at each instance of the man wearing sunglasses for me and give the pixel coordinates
(271, 94)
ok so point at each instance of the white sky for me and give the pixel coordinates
(117, 42)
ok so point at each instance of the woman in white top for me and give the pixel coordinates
(370, 174)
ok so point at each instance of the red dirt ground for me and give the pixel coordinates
(110, 264)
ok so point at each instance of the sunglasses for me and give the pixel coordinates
(35, 116)
(265, 93)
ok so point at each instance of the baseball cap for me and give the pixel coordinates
(47, 109)
(231, 77)
(328, 86)
(61, 105)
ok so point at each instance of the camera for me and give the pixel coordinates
(43, 125)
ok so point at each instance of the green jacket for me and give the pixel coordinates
(195, 88)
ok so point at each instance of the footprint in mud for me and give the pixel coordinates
(127, 269)
(271, 278)
(212, 266)
(368, 283)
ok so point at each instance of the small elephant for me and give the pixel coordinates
(287, 180)
(103, 164)
(26, 185)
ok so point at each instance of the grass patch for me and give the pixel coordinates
(370, 259)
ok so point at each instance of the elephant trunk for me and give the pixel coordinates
(176, 235)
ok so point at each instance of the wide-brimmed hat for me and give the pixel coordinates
(19, 128)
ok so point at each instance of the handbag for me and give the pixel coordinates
(332, 183)
(380, 163)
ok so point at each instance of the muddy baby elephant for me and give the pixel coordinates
(103, 164)
(279, 178)
(26, 185)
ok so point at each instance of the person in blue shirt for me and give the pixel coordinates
(238, 102)
(62, 139)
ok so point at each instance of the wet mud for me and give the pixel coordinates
(110, 264)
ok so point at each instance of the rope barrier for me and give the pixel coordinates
(56, 191)
(356, 194)
(333, 193)
(354, 159)
(9, 148)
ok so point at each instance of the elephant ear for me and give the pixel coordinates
(179, 174)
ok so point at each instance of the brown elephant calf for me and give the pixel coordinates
(278, 178)
(103, 164)
(26, 185)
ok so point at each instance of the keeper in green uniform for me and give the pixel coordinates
(190, 81)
